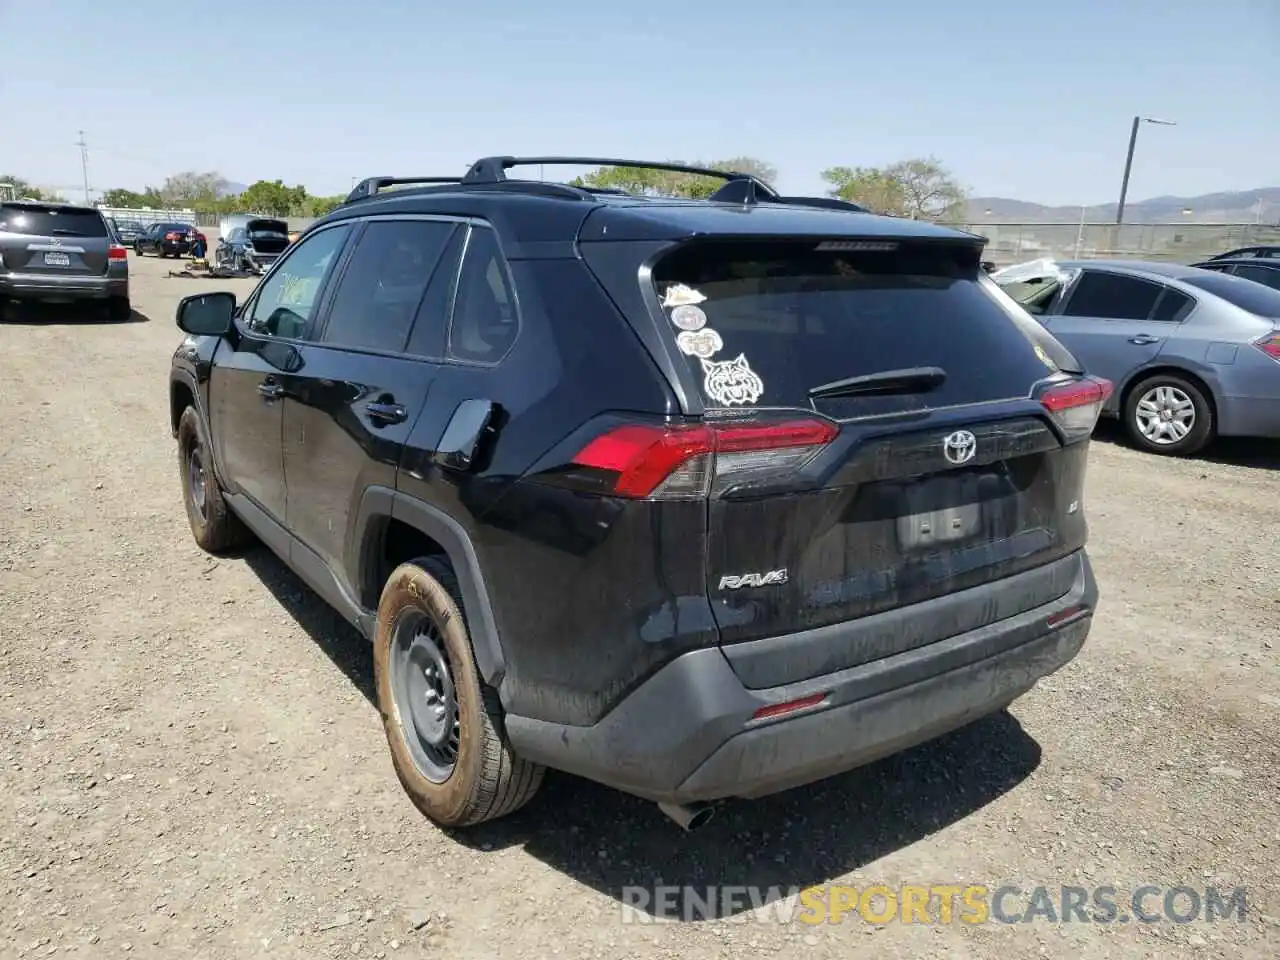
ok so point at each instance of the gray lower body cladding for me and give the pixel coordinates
(689, 733)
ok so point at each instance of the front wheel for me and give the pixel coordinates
(1168, 415)
(213, 525)
(443, 725)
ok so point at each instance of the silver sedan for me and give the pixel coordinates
(1194, 354)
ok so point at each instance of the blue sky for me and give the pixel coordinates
(317, 92)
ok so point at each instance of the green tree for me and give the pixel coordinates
(669, 183)
(23, 188)
(921, 189)
(272, 197)
(194, 189)
(319, 206)
(130, 199)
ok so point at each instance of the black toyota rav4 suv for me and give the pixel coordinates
(701, 499)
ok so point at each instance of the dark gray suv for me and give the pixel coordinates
(61, 253)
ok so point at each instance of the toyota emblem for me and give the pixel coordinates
(959, 447)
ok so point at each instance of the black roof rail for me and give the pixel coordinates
(370, 186)
(494, 169)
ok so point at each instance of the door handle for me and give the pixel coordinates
(270, 390)
(386, 413)
(1144, 339)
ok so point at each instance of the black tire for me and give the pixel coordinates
(119, 310)
(486, 779)
(1178, 392)
(215, 528)
(137, 248)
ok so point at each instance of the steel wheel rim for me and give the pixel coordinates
(196, 480)
(424, 694)
(1165, 415)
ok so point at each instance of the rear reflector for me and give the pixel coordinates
(1062, 616)
(791, 706)
(1077, 405)
(685, 461)
(117, 252)
(1269, 344)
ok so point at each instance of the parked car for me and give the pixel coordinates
(127, 231)
(166, 239)
(60, 252)
(1194, 354)
(1264, 251)
(1262, 270)
(250, 244)
(698, 499)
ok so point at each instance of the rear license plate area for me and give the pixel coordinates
(57, 260)
(949, 509)
(932, 527)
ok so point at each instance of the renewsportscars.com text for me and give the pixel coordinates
(934, 904)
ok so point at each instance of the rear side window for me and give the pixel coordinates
(1245, 294)
(52, 221)
(485, 322)
(1111, 296)
(1265, 275)
(1173, 306)
(383, 283)
(762, 324)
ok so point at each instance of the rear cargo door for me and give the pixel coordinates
(53, 239)
(932, 469)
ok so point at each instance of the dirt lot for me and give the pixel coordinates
(191, 765)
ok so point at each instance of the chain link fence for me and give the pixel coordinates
(1179, 242)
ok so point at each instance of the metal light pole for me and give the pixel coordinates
(1128, 160)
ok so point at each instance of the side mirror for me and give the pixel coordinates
(207, 314)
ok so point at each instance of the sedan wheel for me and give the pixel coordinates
(1168, 415)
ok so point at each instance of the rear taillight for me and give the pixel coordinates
(117, 252)
(1269, 344)
(689, 461)
(1077, 405)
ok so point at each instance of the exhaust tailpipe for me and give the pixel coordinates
(689, 816)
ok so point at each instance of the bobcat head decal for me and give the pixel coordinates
(731, 381)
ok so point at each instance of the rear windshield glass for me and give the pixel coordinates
(1245, 294)
(52, 221)
(761, 324)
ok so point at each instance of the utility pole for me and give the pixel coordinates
(84, 164)
(1128, 159)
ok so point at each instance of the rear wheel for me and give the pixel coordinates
(213, 525)
(1168, 415)
(443, 725)
(119, 309)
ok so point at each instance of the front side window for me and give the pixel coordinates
(1111, 296)
(286, 301)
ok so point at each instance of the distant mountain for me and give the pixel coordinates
(1238, 207)
(231, 189)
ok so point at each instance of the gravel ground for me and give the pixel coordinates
(192, 767)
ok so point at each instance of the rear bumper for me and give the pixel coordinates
(688, 734)
(1249, 417)
(26, 286)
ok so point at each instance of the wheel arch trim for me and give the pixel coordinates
(377, 505)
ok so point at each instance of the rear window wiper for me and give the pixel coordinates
(885, 383)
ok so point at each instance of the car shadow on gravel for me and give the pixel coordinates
(616, 843)
(339, 641)
(1228, 451)
(624, 847)
(59, 314)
